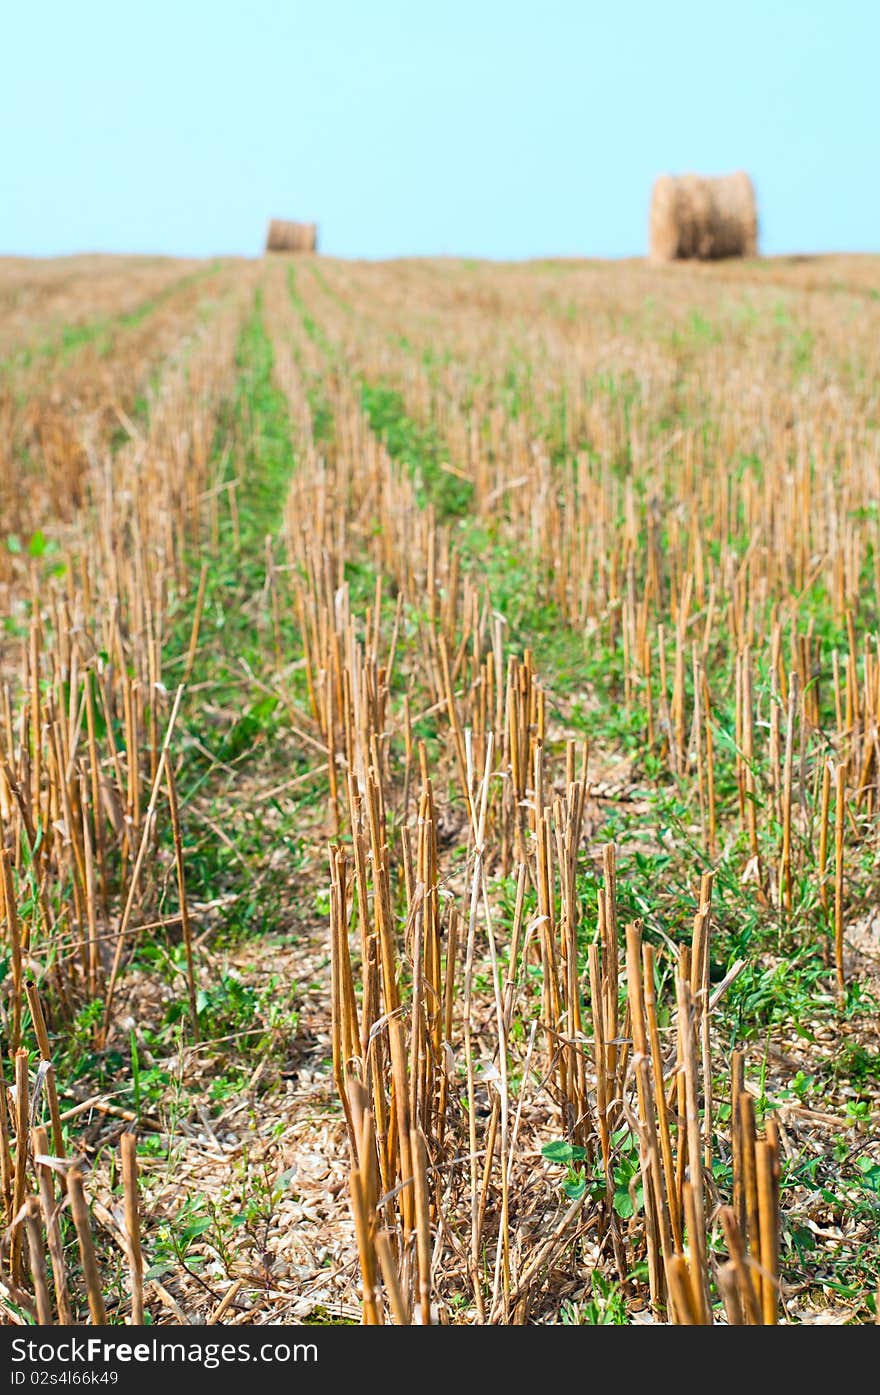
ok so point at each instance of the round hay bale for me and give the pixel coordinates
(284, 236)
(701, 218)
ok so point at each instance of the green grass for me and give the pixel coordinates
(418, 448)
(235, 722)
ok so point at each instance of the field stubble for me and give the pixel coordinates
(439, 796)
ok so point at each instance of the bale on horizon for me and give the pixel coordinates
(695, 217)
(284, 236)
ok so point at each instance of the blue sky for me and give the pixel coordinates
(493, 128)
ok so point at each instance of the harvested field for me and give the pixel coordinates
(439, 791)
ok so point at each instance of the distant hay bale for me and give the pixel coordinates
(705, 219)
(283, 236)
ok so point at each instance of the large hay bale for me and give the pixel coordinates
(284, 236)
(706, 219)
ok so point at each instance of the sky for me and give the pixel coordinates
(494, 128)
